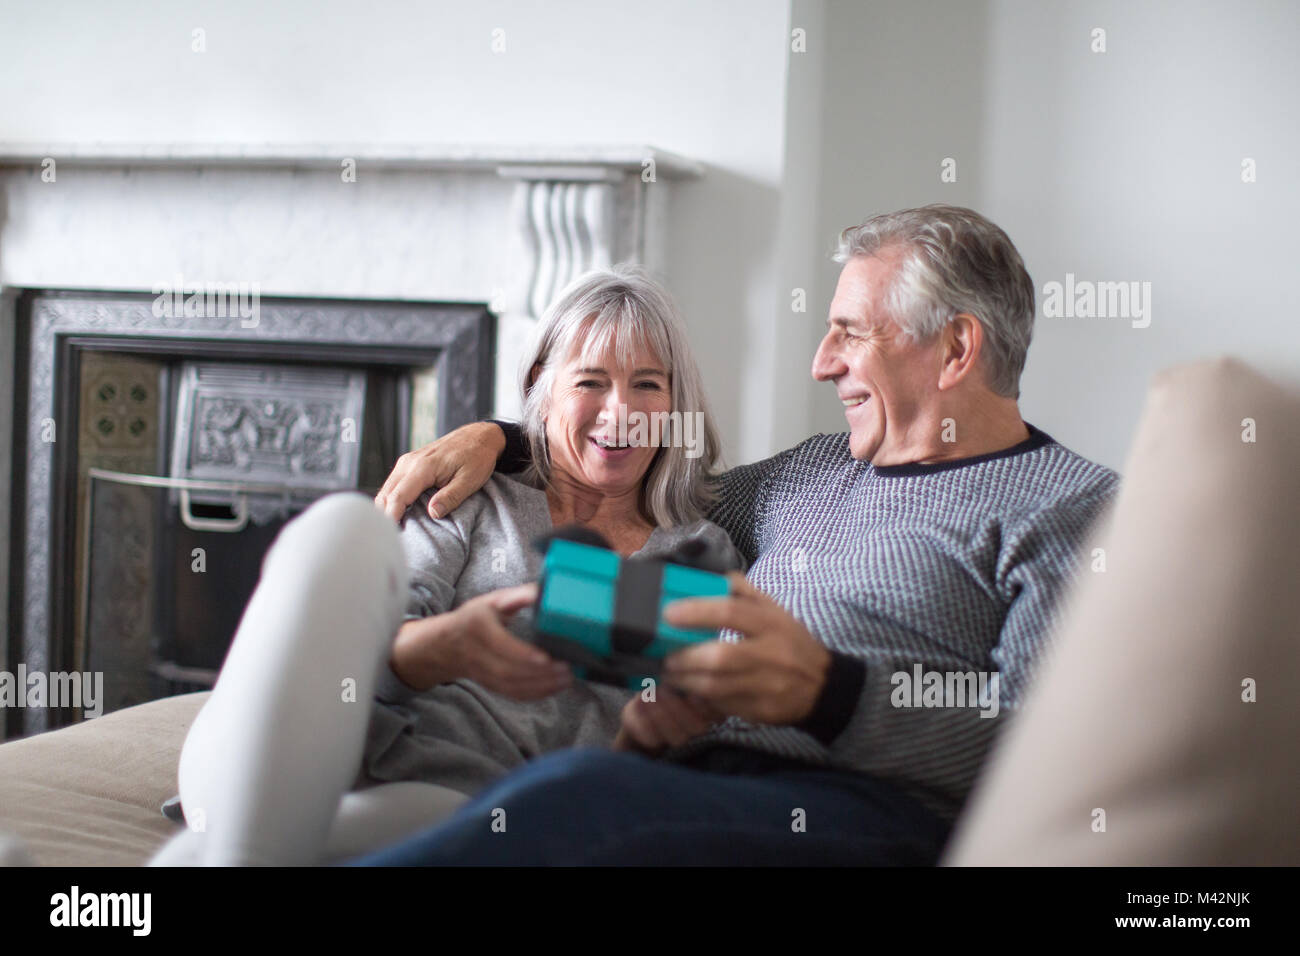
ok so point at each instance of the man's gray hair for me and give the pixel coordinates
(622, 310)
(954, 260)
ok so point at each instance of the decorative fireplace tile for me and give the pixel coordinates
(281, 424)
(118, 430)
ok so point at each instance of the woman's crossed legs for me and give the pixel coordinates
(267, 762)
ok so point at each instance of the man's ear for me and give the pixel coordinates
(962, 340)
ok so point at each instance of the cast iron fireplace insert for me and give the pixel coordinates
(99, 387)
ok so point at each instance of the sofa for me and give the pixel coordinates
(1161, 730)
(90, 794)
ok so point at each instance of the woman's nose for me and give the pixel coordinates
(614, 398)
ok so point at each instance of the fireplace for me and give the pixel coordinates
(184, 443)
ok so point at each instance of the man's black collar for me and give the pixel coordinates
(1037, 439)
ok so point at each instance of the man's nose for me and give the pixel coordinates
(827, 365)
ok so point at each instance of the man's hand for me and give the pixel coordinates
(774, 676)
(459, 464)
(472, 642)
(669, 720)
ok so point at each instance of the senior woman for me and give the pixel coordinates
(334, 727)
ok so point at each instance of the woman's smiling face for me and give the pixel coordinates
(589, 397)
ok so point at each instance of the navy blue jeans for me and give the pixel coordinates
(728, 807)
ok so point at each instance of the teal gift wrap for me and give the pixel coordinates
(604, 614)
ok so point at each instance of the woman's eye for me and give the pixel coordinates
(589, 383)
(655, 386)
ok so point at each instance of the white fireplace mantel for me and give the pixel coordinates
(429, 157)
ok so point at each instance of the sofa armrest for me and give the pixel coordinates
(1163, 727)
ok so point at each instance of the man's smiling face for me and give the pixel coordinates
(885, 381)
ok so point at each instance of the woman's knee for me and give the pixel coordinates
(341, 539)
(346, 519)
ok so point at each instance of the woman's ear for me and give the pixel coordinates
(533, 372)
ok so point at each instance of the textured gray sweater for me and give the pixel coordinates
(955, 567)
(462, 735)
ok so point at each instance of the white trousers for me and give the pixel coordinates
(267, 766)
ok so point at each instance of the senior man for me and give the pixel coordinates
(902, 587)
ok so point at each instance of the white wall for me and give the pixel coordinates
(786, 383)
(1127, 165)
(1123, 165)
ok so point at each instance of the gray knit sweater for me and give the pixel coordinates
(462, 735)
(956, 567)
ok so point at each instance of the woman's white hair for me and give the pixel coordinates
(622, 310)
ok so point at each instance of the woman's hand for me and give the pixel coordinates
(472, 642)
(458, 463)
(671, 719)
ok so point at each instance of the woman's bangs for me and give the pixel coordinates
(619, 332)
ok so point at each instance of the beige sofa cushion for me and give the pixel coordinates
(89, 794)
(1139, 712)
